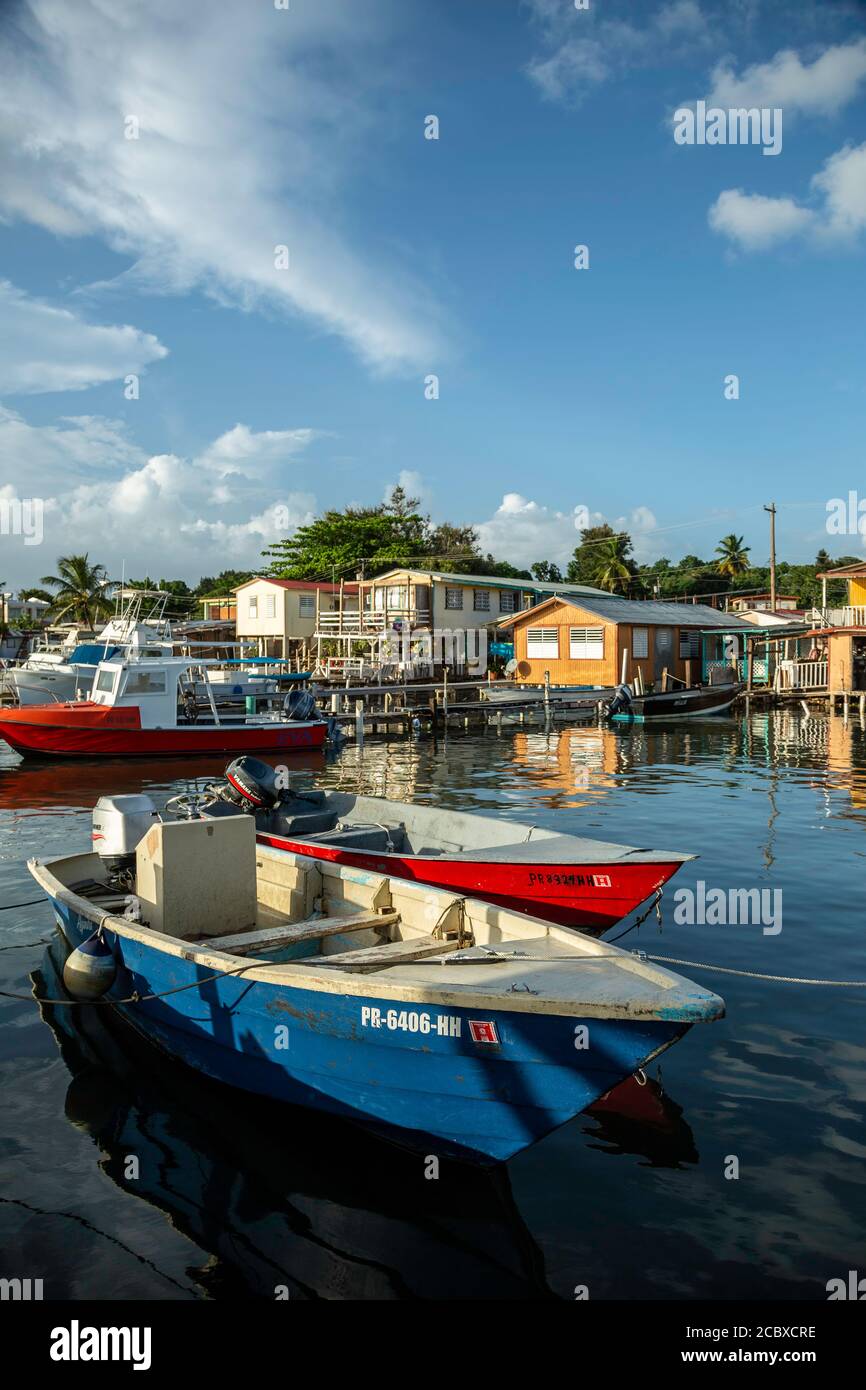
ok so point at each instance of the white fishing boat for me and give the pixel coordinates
(57, 671)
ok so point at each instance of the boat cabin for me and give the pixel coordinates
(167, 692)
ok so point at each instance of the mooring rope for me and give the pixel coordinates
(656, 903)
(758, 975)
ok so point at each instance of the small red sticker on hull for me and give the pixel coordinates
(483, 1032)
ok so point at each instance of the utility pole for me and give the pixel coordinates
(772, 510)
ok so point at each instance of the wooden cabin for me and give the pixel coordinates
(601, 641)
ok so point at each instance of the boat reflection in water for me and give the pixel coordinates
(58, 786)
(287, 1199)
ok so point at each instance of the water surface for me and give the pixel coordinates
(235, 1197)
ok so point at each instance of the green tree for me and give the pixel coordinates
(612, 569)
(81, 590)
(222, 584)
(367, 539)
(733, 556)
(584, 562)
(454, 548)
(25, 594)
(546, 572)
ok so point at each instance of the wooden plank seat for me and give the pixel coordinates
(371, 958)
(287, 934)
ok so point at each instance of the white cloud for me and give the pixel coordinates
(43, 348)
(523, 531)
(412, 483)
(160, 515)
(822, 87)
(581, 49)
(252, 123)
(755, 223)
(842, 184)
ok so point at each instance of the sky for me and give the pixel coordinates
(232, 262)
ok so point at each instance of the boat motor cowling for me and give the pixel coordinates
(300, 704)
(119, 823)
(253, 784)
(621, 701)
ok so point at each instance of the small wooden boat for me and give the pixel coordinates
(702, 700)
(143, 707)
(570, 879)
(428, 1015)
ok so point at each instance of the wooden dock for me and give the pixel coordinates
(432, 706)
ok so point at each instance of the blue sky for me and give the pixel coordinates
(266, 395)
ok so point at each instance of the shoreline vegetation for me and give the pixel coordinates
(368, 541)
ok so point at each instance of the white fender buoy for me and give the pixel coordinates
(90, 969)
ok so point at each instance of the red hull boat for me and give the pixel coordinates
(595, 895)
(83, 729)
(567, 879)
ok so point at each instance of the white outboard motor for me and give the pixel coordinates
(119, 824)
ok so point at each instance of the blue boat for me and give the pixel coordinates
(442, 1020)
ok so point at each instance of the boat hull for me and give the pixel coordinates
(672, 705)
(585, 895)
(40, 687)
(411, 1071)
(62, 732)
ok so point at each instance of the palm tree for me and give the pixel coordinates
(734, 556)
(610, 564)
(81, 589)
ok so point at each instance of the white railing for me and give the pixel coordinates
(803, 675)
(370, 621)
(851, 615)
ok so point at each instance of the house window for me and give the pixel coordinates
(542, 641)
(690, 644)
(586, 643)
(640, 643)
(481, 601)
(308, 605)
(270, 605)
(453, 598)
(507, 601)
(105, 681)
(254, 607)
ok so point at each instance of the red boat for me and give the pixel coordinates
(567, 879)
(146, 709)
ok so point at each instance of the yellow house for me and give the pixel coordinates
(853, 614)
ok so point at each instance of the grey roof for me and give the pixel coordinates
(651, 613)
(495, 581)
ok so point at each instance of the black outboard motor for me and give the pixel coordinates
(300, 704)
(253, 785)
(621, 702)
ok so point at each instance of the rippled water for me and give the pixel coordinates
(236, 1197)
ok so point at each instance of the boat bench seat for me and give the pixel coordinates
(287, 934)
(379, 957)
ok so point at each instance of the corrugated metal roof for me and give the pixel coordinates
(494, 581)
(651, 613)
